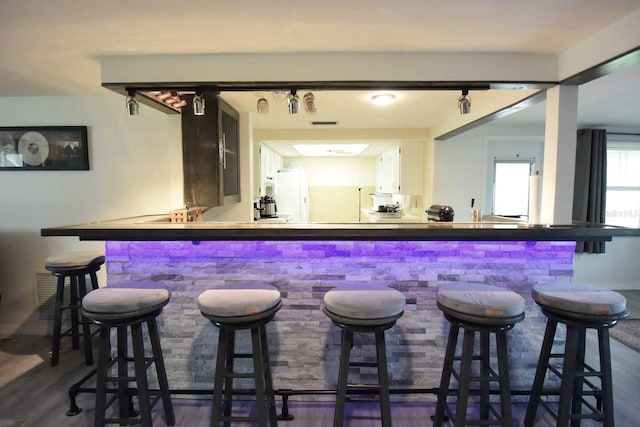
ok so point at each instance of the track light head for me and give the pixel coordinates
(294, 102)
(464, 103)
(198, 104)
(309, 102)
(133, 107)
(262, 106)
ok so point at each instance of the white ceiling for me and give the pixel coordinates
(54, 47)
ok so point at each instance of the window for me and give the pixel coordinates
(511, 187)
(623, 182)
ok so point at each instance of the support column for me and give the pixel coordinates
(559, 155)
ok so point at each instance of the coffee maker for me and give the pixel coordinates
(268, 208)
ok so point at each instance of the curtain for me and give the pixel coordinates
(590, 184)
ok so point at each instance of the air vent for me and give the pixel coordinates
(46, 284)
(324, 123)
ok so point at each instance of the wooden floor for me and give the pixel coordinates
(32, 393)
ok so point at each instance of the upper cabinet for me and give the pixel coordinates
(210, 148)
(267, 162)
(387, 174)
(399, 169)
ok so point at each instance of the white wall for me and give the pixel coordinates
(336, 171)
(617, 268)
(136, 169)
(461, 172)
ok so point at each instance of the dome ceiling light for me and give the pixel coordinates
(383, 99)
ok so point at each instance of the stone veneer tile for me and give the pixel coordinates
(304, 344)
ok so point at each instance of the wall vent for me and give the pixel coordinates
(324, 123)
(46, 288)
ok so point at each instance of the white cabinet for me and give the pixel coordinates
(388, 165)
(267, 162)
(400, 169)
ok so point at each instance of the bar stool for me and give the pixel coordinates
(76, 266)
(233, 308)
(485, 310)
(127, 309)
(578, 307)
(369, 309)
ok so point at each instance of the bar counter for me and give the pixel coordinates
(304, 261)
(158, 227)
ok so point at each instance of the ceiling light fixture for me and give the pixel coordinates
(464, 103)
(133, 107)
(309, 102)
(294, 102)
(383, 99)
(330, 150)
(262, 106)
(198, 103)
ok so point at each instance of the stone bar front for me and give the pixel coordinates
(304, 345)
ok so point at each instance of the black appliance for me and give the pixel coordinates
(257, 211)
(388, 208)
(440, 213)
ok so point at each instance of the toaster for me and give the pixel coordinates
(440, 213)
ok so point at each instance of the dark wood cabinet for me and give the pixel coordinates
(210, 148)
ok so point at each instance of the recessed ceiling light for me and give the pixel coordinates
(329, 150)
(383, 99)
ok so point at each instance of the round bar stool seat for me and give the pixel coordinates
(75, 266)
(579, 307)
(485, 310)
(233, 308)
(363, 308)
(127, 308)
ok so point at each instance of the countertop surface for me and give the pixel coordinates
(158, 227)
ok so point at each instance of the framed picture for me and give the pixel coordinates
(44, 148)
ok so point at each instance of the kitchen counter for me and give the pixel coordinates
(371, 216)
(158, 227)
(280, 218)
(305, 260)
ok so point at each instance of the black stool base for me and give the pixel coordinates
(488, 414)
(123, 394)
(223, 382)
(581, 385)
(77, 291)
(348, 327)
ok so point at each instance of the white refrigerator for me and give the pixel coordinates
(292, 194)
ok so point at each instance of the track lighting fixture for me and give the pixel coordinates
(263, 106)
(294, 102)
(132, 103)
(309, 102)
(464, 103)
(198, 104)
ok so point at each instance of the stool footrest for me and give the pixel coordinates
(493, 376)
(134, 416)
(238, 375)
(242, 356)
(363, 364)
(595, 414)
(355, 388)
(70, 333)
(585, 372)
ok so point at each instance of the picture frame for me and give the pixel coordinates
(44, 148)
